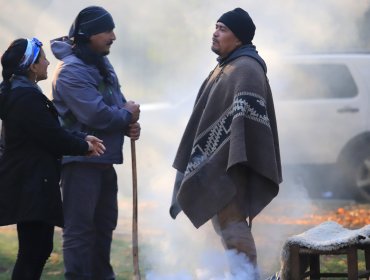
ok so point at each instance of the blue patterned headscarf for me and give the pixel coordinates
(30, 55)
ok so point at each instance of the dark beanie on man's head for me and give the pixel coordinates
(240, 23)
(90, 21)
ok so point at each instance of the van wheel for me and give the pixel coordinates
(362, 179)
(357, 174)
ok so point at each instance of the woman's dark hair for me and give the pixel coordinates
(10, 61)
(84, 52)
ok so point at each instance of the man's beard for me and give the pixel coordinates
(84, 52)
(216, 51)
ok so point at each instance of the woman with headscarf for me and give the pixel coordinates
(34, 143)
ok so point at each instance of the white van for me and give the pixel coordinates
(322, 105)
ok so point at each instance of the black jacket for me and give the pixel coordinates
(30, 165)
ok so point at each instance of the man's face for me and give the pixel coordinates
(101, 42)
(224, 41)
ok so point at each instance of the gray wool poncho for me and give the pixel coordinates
(232, 124)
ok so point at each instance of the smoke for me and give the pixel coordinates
(201, 257)
(212, 265)
(162, 49)
(162, 54)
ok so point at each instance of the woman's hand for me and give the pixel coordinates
(96, 147)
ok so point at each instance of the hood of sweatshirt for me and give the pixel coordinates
(61, 47)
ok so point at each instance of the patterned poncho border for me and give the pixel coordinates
(246, 104)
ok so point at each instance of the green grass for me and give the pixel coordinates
(121, 257)
(338, 264)
(9, 247)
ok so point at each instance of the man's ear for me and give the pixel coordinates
(33, 68)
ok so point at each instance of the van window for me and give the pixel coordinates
(313, 81)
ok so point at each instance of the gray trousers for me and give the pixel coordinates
(231, 224)
(235, 232)
(90, 216)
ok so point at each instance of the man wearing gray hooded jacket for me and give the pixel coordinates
(87, 95)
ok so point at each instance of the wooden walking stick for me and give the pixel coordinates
(135, 246)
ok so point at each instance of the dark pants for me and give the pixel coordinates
(35, 246)
(90, 216)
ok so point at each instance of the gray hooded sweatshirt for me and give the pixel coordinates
(87, 104)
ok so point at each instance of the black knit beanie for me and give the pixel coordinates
(90, 21)
(240, 23)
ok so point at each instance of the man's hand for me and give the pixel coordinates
(96, 147)
(134, 131)
(134, 109)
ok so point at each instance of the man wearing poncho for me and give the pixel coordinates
(228, 161)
